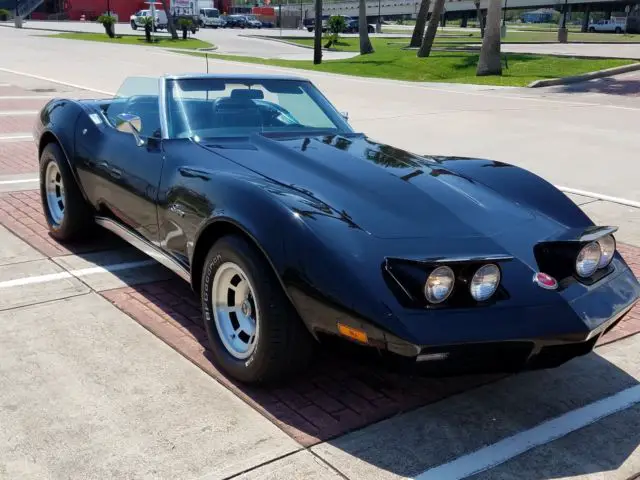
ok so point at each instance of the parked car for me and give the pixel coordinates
(614, 25)
(293, 228)
(236, 21)
(253, 21)
(352, 26)
(210, 17)
(160, 22)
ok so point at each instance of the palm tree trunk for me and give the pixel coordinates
(363, 28)
(170, 25)
(432, 28)
(490, 62)
(480, 20)
(317, 34)
(421, 22)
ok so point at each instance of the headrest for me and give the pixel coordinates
(245, 93)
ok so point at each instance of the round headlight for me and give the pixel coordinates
(439, 285)
(485, 282)
(588, 259)
(607, 250)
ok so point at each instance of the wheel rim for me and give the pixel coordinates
(235, 310)
(54, 189)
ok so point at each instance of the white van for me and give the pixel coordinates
(210, 17)
(137, 19)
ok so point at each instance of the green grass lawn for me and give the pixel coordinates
(161, 40)
(391, 61)
(351, 44)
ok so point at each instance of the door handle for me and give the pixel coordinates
(115, 173)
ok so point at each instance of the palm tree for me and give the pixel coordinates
(432, 28)
(363, 30)
(170, 25)
(421, 21)
(490, 62)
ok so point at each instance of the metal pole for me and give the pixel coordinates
(504, 14)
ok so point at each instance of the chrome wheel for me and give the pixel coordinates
(235, 310)
(54, 189)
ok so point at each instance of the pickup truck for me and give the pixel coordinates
(609, 26)
(160, 23)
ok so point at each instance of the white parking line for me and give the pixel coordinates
(10, 138)
(24, 97)
(47, 79)
(510, 447)
(17, 112)
(599, 196)
(21, 180)
(18, 282)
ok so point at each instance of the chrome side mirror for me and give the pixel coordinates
(345, 115)
(129, 123)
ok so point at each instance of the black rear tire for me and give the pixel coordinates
(283, 345)
(77, 220)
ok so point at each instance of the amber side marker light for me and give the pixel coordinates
(353, 333)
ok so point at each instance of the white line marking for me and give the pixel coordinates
(510, 447)
(24, 97)
(22, 180)
(75, 273)
(599, 196)
(47, 79)
(16, 137)
(4, 85)
(17, 112)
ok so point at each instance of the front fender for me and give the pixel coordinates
(315, 253)
(521, 186)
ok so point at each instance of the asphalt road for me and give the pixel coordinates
(87, 392)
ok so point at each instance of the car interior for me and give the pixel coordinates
(244, 110)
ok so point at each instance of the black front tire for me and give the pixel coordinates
(134, 26)
(283, 346)
(77, 220)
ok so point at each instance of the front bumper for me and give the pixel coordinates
(512, 339)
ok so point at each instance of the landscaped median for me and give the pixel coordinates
(159, 40)
(393, 61)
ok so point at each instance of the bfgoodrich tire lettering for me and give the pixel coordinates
(283, 345)
(72, 219)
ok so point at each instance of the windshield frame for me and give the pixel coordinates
(319, 98)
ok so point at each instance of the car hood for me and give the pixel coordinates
(385, 191)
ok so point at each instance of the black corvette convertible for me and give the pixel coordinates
(293, 228)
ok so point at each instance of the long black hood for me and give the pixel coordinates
(387, 192)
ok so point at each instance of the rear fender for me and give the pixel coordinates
(57, 123)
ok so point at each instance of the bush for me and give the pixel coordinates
(107, 22)
(337, 24)
(4, 14)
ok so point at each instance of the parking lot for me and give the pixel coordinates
(105, 373)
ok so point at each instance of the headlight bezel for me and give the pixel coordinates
(613, 248)
(496, 286)
(441, 268)
(589, 248)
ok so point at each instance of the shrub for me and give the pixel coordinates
(107, 22)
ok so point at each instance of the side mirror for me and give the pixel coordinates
(128, 123)
(345, 115)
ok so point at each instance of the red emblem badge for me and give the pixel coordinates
(545, 281)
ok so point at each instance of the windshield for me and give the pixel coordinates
(251, 17)
(207, 108)
(211, 13)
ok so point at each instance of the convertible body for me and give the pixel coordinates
(360, 237)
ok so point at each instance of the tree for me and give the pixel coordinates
(363, 30)
(421, 21)
(432, 28)
(317, 34)
(480, 17)
(336, 25)
(170, 25)
(490, 62)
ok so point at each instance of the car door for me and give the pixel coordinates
(124, 168)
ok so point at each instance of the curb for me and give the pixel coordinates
(586, 76)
